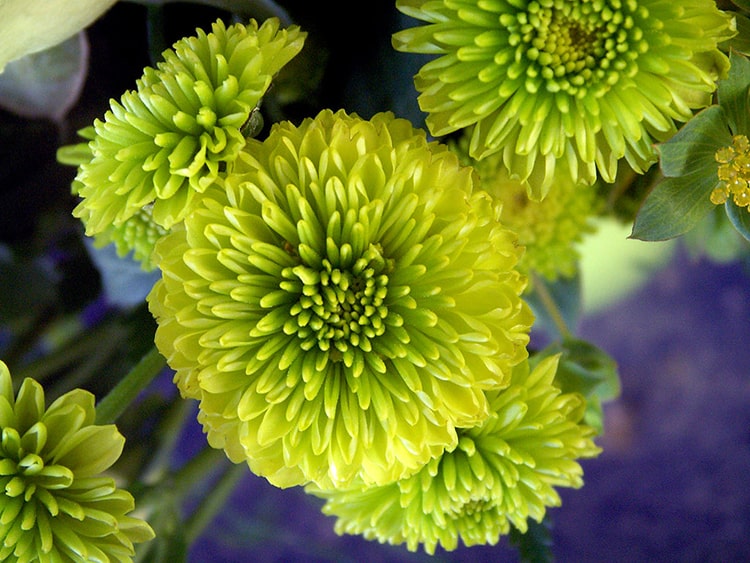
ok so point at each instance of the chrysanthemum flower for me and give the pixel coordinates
(340, 305)
(551, 229)
(55, 504)
(167, 141)
(502, 472)
(137, 235)
(587, 81)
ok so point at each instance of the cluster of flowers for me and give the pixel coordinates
(344, 297)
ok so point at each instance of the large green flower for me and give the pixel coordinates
(55, 504)
(504, 471)
(168, 140)
(586, 81)
(341, 303)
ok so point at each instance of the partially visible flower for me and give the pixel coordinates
(137, 235)
(29, 27)
(55, 504)
(500, 473)
(341, 303)
(549, 229)
(168, 140)
(706, 163)
(588, 82)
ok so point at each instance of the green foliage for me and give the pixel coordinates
(739, 217)
(534, 546)
(586, 369)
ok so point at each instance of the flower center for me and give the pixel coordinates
(574, 46)
(341, 306)
(23, 473)
(734, 173)
(472, 510)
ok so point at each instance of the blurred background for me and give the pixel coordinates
(672, 481)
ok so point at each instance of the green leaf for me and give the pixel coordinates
(742, 4)
(733, 94)
(741, 41)
(674, 206)
(716, 238)
(740, 218)
(693, 148)
(555, 304)
(534, 546)
(170, 544)
(585, 368)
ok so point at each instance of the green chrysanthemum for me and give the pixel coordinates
(54, 503)
(135, 236)
(587, 81)
(167, 141)
(342, 303)
(502, 472)
(549, 229)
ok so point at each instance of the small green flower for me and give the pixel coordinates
(707, 163)
(550, 229)
(168, 140)
(138, 234)
(341, 302)
(55, 505)
(502, 472)
(586, 81)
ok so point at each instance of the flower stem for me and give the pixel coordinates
(550, 305)
(213, 502)
(185, 479)
(118, 400)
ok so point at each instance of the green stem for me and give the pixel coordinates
(84, 344)
(196, 470)
(118, 400)
(169, 432)
(551, 307)
(213, 502)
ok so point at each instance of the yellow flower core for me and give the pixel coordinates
(734, 173)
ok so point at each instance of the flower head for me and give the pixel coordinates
(586, 81)
(137, 235)
(342, 303)
(167, 141)
(56, 504)
(550, 229)
(501, 472)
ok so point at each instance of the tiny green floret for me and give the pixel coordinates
(734, 173)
